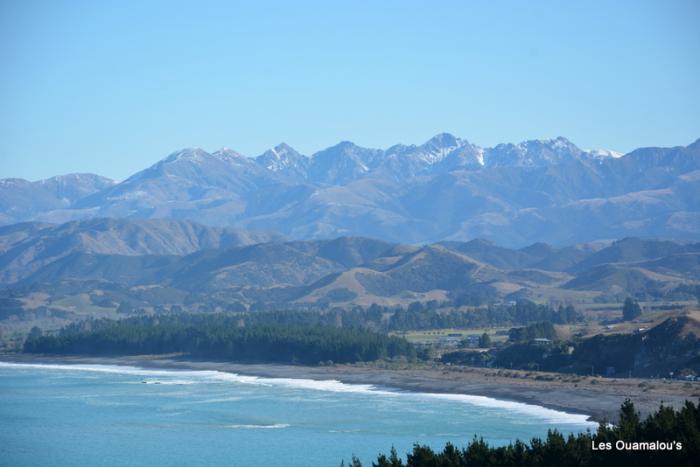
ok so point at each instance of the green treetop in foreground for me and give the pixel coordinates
(665, 438)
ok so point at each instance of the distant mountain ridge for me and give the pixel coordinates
(22, 200)
(165, 262)
(26, 248)
(445, 189)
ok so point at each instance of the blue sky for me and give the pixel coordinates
(111, 87)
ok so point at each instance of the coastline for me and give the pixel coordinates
(597, 398)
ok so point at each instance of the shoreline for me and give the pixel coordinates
(597, 398)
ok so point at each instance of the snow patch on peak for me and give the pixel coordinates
(439, 147)
(560, 142)
(283, 148)
(557, 143)
(227, 153)
(604, 153)
(188, 154)
(480, 156)
(280, 157)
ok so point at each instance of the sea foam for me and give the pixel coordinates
(204, 376)
(274, 426)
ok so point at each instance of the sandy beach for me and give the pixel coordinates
(599, 398)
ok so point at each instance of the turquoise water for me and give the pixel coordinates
(98, 415)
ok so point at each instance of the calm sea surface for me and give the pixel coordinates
(98, 415)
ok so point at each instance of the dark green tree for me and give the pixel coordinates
(484, 341)
(680, 430)
(222, 337)
(630, 310)
(392, 461)
(35, 333)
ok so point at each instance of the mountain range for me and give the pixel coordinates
(446, 189)
(101, 264)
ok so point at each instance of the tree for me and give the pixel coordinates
(484, 341)
(392, 461)
(679, 430)
(35, 333)
(629, 421)
(630, 310)
(222, 337)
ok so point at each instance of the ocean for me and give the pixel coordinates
(101, 415)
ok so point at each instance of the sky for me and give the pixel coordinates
(111, 87)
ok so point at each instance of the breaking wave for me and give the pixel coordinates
(204, 376)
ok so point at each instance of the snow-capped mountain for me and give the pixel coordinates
(438, 148)
(533, 153)
(464, 157)
(446, 188)
(285, 160)
(341, 163)
(188, 184)
(442, 152)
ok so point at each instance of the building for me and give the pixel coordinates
(471, 341)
